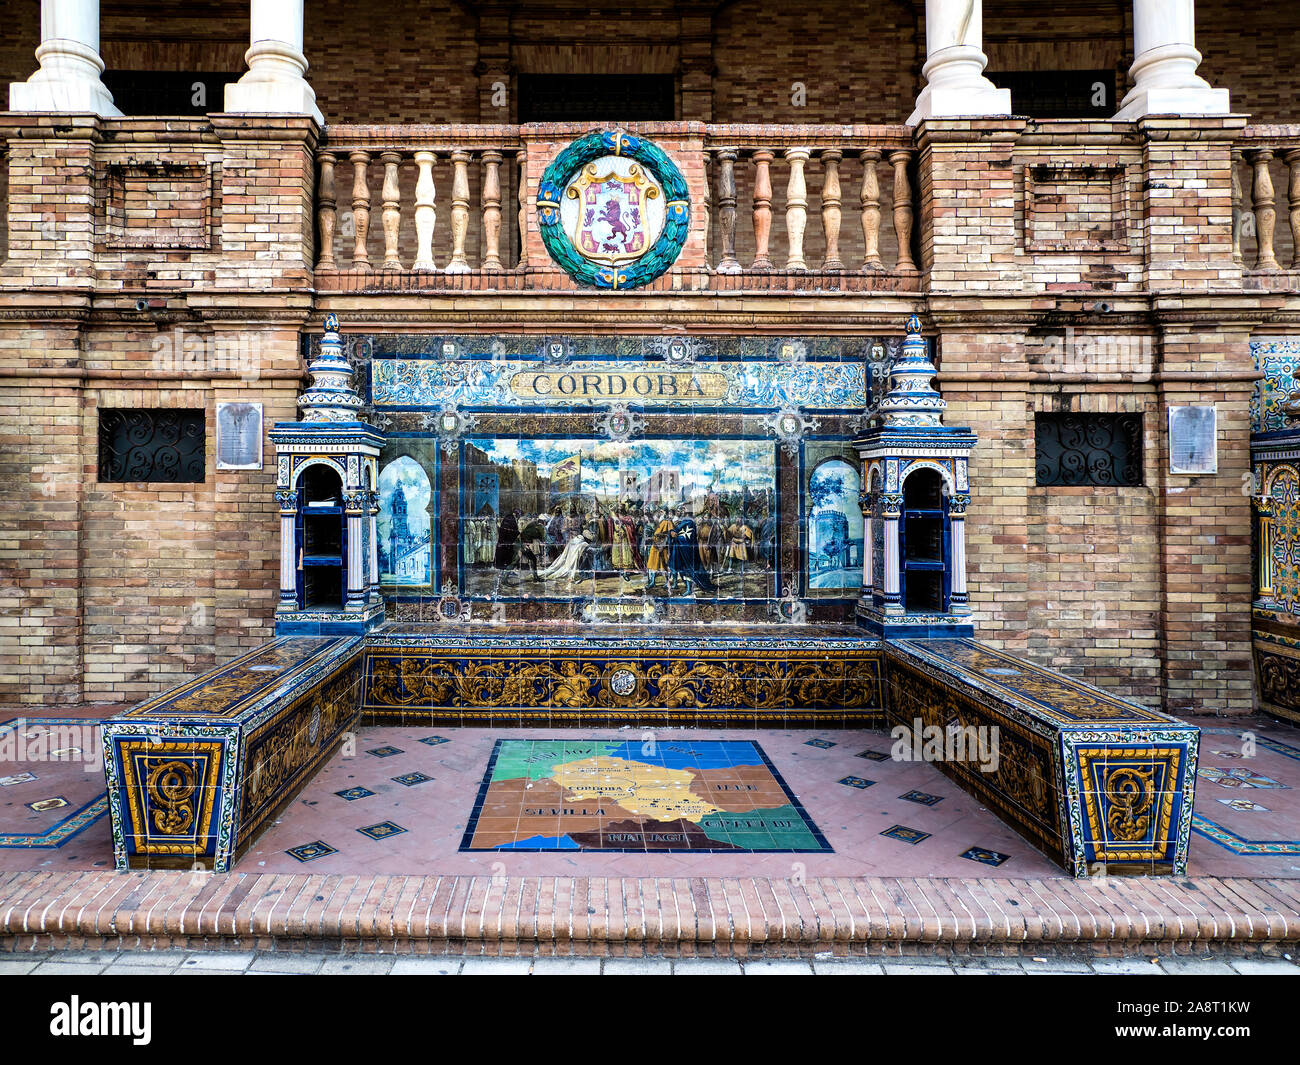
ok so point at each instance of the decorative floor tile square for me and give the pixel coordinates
(311, 851)
(922, 798)
(433, 741)
(384, 752)
(979, 854)
(819, 743)
(875, 756)
(382, 830)
(17, 778)
(354, 793)
(1243, 804)
(56, 802)
(1239, 777)
(689, 795)
(856, 782)
(411, 779)
(907, 835)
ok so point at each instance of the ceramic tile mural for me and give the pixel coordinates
(626, 478)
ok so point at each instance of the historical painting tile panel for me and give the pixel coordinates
(588, 795)
(642, 479)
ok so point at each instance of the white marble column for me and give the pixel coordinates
(68, 78)
(1164, 75)
(274, 82)
(955, 85)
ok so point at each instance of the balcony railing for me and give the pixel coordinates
(1266, 169)
(411, 208)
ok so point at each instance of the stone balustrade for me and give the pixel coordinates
(779, 197)
(1266, 183)
(779, 207)
(416, 205)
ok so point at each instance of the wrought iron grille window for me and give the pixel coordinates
(1088, 449)
(151, 445)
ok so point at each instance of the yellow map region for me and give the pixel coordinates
(646, 790)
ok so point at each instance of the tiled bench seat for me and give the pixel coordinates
(1101, 784)
(197, 773)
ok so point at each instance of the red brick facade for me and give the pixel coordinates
(1036, 241)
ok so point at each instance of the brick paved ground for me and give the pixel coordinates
(689, 917)
(243, 963)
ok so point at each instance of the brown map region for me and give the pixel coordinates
(513, 811)
(739, 788)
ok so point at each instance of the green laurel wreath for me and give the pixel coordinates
(677, 210)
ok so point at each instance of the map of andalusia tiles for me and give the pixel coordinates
(584, 795)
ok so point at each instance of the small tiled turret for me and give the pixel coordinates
(330, 397)
(912, 399)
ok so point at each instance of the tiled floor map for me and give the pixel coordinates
(680, 795)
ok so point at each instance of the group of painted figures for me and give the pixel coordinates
(585, 538)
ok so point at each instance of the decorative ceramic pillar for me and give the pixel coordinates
(68, 78)
(354, 507)
(891, 510)
(867, 502)
(288, 501)
(373, 502)
(274, 83)
(1164, 75)
(954, 67)
(957, 505)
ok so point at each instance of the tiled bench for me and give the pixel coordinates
(196, 774)
(1101, 784)
(757, 677)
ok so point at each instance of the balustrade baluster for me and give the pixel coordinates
(1238, 208)
(491, 210)
(523, 209)
(459, 211)
(728, 264)
(796, 208)
(426, 215)
(762, 209)
(831, 215)
(902, 209)
(870, 199)
(326, 212)
(1265, 215)
(1292, 159)
(392, 209)
(708, 217)
(360, 208)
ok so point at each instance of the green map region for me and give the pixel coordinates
(594, 795)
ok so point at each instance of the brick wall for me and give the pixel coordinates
(856, 65)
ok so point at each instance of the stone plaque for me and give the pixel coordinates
(239, 436)
(1193, 440)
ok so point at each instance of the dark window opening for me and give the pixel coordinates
(168, 92)
(152, 446)
(1088, 449)
(597, 97)
(1060, 93)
